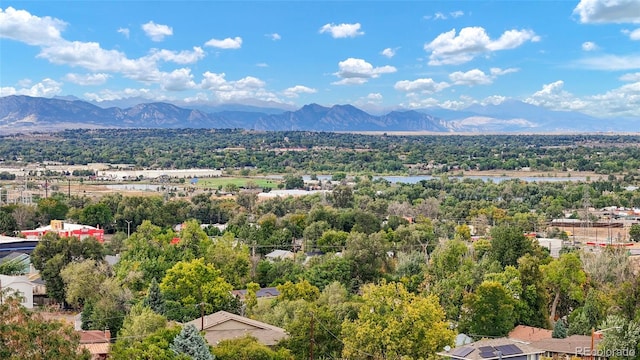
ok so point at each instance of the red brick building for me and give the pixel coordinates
(66, 230)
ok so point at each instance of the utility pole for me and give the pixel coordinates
(128, 228)
(312, 341)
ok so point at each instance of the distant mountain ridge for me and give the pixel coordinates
(20, 113)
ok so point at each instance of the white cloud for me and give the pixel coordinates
(608, 11)
(274, 36)
(632, 77)
(20, 25)
(246, 88)
(589, 46)
(357, 71)
(262, 65)
(109, 95)
(177, 80)
(498, 72)
(91, 56)
(295, 91)
(554, 96)
(634, 35)
(182, 57)
(471, 77)
(124, 31)
(227, 43)
(87, 79)
(45, 88)
(610, 62)
(493, 100)
(342, 30)
(478, 77)
(449, 48)
(622, 101)
(374, 98)
(427, 86)
(439, 16)
(388, 52)
(418, 103)
(157, 32)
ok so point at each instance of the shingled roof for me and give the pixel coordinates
(224, 326)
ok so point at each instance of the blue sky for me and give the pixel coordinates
(581, 55)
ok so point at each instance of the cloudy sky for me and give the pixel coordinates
(581, 55)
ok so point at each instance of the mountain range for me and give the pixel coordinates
(20, 113)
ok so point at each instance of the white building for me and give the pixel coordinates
(17, 284)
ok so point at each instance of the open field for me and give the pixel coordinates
(238, 181)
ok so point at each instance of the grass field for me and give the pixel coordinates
(238, 181)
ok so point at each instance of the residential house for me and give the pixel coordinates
(529, 334)
(580, 346)
(225, 326)
(494, 349)
(264, 293)
(20, 285)
(96, 342)
(280, 255)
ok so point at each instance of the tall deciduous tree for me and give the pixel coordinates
(24, 335)
(508, 244)
(81, 280)
(489, 310)
(53, 253)
(564, 276)
(394, 323)
(232, 259)
(192, 287)
(248, 348)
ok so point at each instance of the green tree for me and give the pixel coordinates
(293, 182)
(232, 258)
(154, 299)
(248, 348)
(51, 209)
(300, 290)
(559, 330)
(153, 346)
(342, 196)
(367, 256)
(53, 253)
(96, 215)
(25, 335)
(251, 297)
(634, 232)
(620, 334)
(192, 287)
(81, 279)
(508, 244)
(141, 322)
(564, 276)
(192, 344)
(490, 311)
(394, 323)
(8, 224)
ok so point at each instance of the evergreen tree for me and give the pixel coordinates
(559, 330)
(154, 299)
(85, 316)
(191, 343)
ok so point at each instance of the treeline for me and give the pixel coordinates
(280, 152)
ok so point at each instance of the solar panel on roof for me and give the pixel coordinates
(486, 349)
(487, 354)
(508, 350)
(462, 352)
